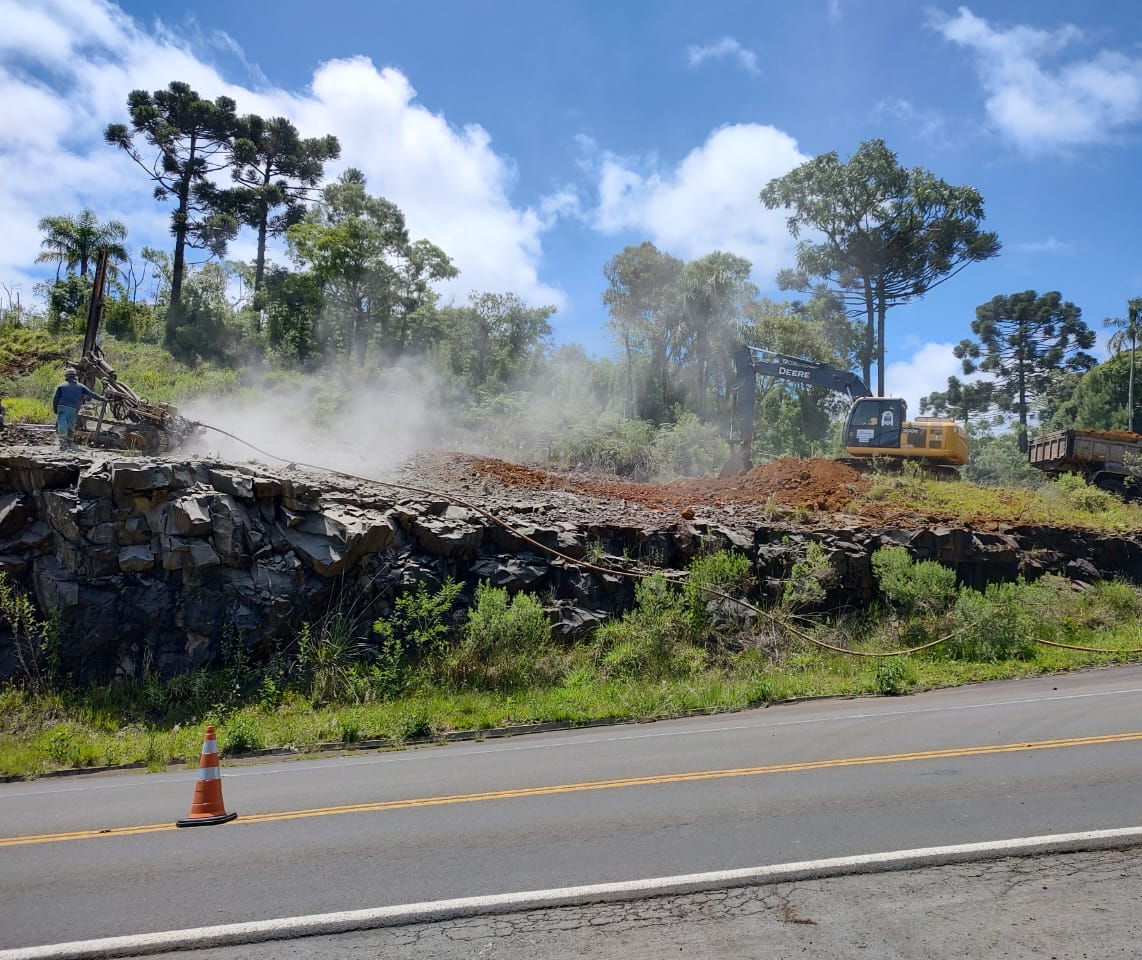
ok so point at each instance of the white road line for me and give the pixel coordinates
(288, 928)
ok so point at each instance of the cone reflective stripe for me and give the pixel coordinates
(206, 808)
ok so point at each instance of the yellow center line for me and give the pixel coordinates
(658, 779)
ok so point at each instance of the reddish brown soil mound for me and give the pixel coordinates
(817, 484)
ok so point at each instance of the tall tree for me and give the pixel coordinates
(961, 400)
(889, 234)
(292, 302)
(645, 320)
(1126, 333)
(1025, 341)
(72, 242)
(496, 342)
(1099, 399)
(714, 290)
(374, 280)
(192, 138)
(276, 170)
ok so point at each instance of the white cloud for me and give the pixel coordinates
(1038, 97)
(709, 202)
(66, 67)
(725, 49)
(925, 372)
(1050, 245)
(924, 124)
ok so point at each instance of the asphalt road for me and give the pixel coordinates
(1073, 906)
(97, 857)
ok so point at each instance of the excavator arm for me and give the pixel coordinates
(752, 362)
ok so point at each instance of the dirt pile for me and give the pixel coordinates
(816, 484)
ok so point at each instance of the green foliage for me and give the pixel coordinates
(654, 640)
(891, 233)
(998, 624)
(329, 655)
(292, 303)
(191, 137)
(67, 304)
(73, 243)
(809, 579)
(506, 643)
(997, 461)
(35, 639)
(894, 677)
(1079, 495)
(1099, 400)
(374, 279)
(420, 620)
(607, 444)
(69, 746)
(241, 734)
(724, 573)
(915, 588)
(687, 448)
(24, 410)
(1025, 342)
(493, 344)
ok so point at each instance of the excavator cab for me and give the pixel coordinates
(875, 423)
(879, 426)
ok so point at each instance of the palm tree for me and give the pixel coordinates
(1128, 330)
(73, 242)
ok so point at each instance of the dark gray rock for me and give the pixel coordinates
(149, 565)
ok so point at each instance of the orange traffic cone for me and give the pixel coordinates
(206, 808)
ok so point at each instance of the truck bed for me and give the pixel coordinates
(1066, 450)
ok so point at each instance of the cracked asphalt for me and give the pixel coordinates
(1073, 906)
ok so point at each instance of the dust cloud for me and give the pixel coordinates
(360, 422)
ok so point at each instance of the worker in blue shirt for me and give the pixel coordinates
(68, 397)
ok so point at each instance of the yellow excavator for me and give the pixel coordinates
(876, 427)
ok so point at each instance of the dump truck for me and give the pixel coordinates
(1109, 459)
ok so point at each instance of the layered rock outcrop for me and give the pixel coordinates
(150, 564)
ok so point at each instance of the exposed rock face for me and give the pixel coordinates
(148, 563)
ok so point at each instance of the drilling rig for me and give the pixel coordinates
(125, 420)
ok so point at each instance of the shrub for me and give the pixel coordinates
(912, 587)
(894, 677)
(241, 734)
(608, 444)
(723, 572)
(1080, 495)
(809, 580)
(35, 640)
(328, 654)
(998, 624)
(418, 630)
(688, 448)
(653, 640)
(506, 643)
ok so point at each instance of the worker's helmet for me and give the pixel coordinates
(70, 374)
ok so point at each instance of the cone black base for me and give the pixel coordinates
(206, 821)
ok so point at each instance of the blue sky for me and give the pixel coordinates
(533, 140)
